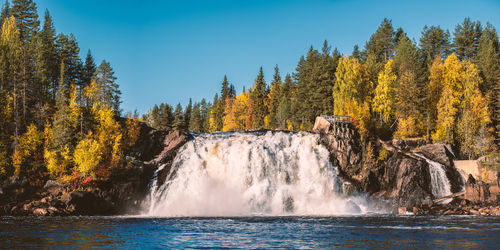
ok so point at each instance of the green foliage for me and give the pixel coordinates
(434, 42)
(466, 38)
(178, 122)
(258, 95)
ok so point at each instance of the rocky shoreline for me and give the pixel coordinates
(389, 171)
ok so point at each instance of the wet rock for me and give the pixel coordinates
(40, 211)
(173, 141)
(409, 180)
(438, 152)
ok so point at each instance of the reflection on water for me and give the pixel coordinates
(251, 232)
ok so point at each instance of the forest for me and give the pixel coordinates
(61, 116)
(443, 88)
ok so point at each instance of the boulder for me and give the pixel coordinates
(40, 211)
(321, 125)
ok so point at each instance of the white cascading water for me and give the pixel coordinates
(440, 183)
(244, 174)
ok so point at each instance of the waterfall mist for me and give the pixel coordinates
(244, 174)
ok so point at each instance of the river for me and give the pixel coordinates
(251, 232)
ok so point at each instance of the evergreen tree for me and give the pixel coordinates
(381, 42)
(195, 121)
(178, 123)
(225, 91)
(27, 19)
(434, 42)
(488, 61)
(356, 53)
(284, 111)
(379, 49)
(108, 92)
(258, 95)
(46, 63)
(89, 70)
(187, 114)
(466, 38)
(68, 51)
(205, 115)
(274, 98)
(63, 128)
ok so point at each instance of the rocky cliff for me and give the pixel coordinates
(123, 193)
(386, 170)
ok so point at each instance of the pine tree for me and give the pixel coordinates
(258, 95)
(466, 38)
(63, 125)
(205, 115)
(284, 111)
(356, 53)
(434, 42)
(108, 92)
(195, 121)
(68, 51)
(178, 123)
(27, 19)
(381, 42)
(488, 61)
(46, 63)
(89, 70)
(410, 97)
(225, 91)
(274, 97)
(187, 114)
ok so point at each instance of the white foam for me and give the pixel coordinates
(243, 174)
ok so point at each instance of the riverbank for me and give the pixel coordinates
(405, 177)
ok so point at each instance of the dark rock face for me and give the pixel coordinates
(149, 144)
(443, 154)
(173, 142)
(438, 152)
(408, 180)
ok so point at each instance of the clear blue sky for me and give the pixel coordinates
(169, 51)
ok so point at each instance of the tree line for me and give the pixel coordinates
(443, 88)
(59, 114)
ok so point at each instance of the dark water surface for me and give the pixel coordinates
(251, 232)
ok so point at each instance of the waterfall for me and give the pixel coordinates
(244, 174)
(440, 183)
